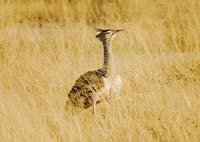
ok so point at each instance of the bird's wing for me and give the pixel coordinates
(85, 88)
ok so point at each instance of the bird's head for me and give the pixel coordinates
(107, 34)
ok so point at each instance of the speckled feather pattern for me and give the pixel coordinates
(85, 88)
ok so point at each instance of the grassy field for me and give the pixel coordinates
(45, 45)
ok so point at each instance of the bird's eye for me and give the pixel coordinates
(108, 32)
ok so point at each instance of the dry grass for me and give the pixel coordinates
(45, 45)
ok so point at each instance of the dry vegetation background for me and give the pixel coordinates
(46, 44)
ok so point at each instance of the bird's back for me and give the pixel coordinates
(85, 90)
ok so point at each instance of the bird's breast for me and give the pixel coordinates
(107, 85)
(117, 84)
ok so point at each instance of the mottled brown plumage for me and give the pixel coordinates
(86, 86)
(91, 86)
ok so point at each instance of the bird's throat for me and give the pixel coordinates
(108, 62)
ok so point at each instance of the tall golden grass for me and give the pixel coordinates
(46, 44)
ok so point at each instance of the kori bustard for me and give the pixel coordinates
(92, 86)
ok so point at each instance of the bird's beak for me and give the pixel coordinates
(119, 30)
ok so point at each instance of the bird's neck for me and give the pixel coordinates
(108, 61)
